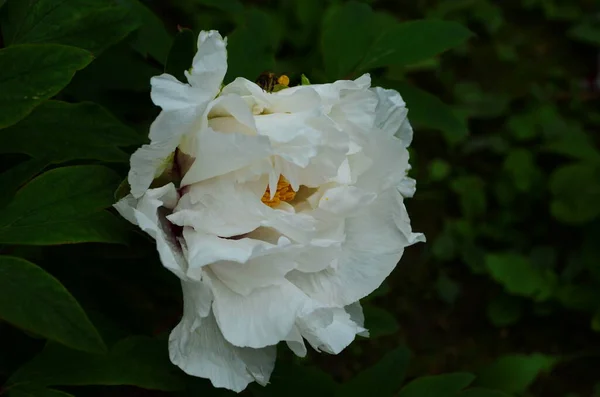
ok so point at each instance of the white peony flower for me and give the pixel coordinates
(289, 210)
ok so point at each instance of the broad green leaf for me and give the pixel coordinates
(386, 376)
(35, 301)
(515, 373)
(229, 6)
(13, 178)
(32, 73)
(574, 143)
(25, 391)
(520, 277)
(152, 38)
(588, 31)
(576, 191)
(446, 385)
(137, 361)
(415, 41)
(481, 392)
(89, 24)
(63, 206)
(379, 322)
(251, 47)
(59, 131)
(428, 111)
(347, 35)
(504, 310)
(181, 54)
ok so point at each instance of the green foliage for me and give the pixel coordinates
(447, 385)
(33, 73)
(66, 214)
(33, 300)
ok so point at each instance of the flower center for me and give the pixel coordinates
(284, 193)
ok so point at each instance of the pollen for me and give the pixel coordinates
(284, 193)
(283, 80)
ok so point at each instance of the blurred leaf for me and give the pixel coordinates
(447, 289)
(89, 24)
(379, 322)
(13, 178)
(229, 6)
(504, 310)
(412, 42)
(470, 190)
(347, 35)
(70, 211)
(33, 300)
(251, 47)
(439, 169)
(574, 143)
(446, 385)
(427, 111)
(295, 380)
(515, 373)
(59, 131)
(521, 168)
(30, 74)
(152, 37)
(480, 392)
(576, 191)
(181, 54)
(386, 376)
(137, 361)
(588, 31)
(25, 391)
(519, 277)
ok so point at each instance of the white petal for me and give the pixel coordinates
(295, 342)
(374, 245)
(171, 94)
(355, 311)
(328, 329)
(205, 353)
(262, 318)
(146, 213)
(391, 115)
(209, 64)
(345, 200)
(219, 153)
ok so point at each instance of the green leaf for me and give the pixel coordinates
(521, 168)
(181, 54)
(519, 277)
(59, 131)
(137, 361)
(30, 74)
(446, 385)
(415, 41)
(439, 169)
(576, 191)
(12, 179)
(386, 376)
(251, 47)
(304, 80)
(33, 300)
(471, 192)
(428, 111)
(515, 373)
(89, 24)
(504, 310)
(152, 38)
(481, 392)
(447, 289)
(379, 322)
(575, 143)
(588, 31)
(26, 391)
(229, 6)
(69, 211)
(347, 34)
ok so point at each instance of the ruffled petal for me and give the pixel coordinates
(390, 115)
(262, 318)
(145, 212)
(209, 64)
(202, 351)
(375, 241)
(328, 329)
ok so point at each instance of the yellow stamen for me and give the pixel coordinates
(283, 80)
(284, 193)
